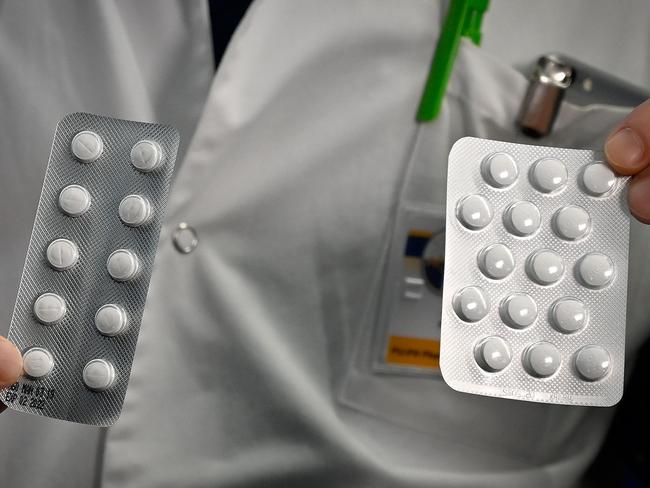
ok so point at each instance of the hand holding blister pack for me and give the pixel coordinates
(535, 287)
(88, 266)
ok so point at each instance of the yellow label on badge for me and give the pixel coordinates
(411, 351)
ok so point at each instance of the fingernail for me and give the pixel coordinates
(625, 149)
(10, 363)
(639, 198)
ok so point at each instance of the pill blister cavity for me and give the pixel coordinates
(471, 304)
(110, 319)
(134, 210)
(62, 254)
(569, 315)
(49, 308)
(549, 175)
(592, 363)
(572, 223)
(496, 261)
(98, 375)
(474, 212)
(545, 267)
(87, 146)
(499, 170)
(595, 270)
(518, 310)
(492, 354)
(598, 179)
(146, 156)
(122, 265)
(542, 359)
(37, 362)
(74, 200)
(522, 219)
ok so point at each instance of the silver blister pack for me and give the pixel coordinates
(88, 266)
(535, 280)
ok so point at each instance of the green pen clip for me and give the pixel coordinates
(463, 20)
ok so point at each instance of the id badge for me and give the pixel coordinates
(408, 322)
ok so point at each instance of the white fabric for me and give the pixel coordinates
(290, 181)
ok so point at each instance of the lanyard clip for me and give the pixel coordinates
(464, 19)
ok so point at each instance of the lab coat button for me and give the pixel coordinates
(185, 238)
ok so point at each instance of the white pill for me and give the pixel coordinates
(146, 155)
(110, 319)
(518, 310)
(522, 218)
(74, 200)
(549, 175)
(474, 212)
(569, 315)
(62, 254)
(471, 304)
(545, 267)
(49, 308)
(496, 261)
(492, 354)
(98, 374)
(134, 210)
(598, 179)
(592, 363)
(542, 359)
(595, 270)
(37, 362)
(572, 222)
(87, 146)
(122, 265)
(500, 170)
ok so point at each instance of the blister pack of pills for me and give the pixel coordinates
(535, 284)
(88, 266)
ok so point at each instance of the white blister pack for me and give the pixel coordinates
(535, 284)
(88, 266)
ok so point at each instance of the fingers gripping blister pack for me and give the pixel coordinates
(87, 271)
(535, 284)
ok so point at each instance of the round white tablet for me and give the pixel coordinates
(592, 363)
(134, 210)
(474, 212)
(471, 304)
(500, 170)
(122, 265)
(572, 222)
(146, 155)
(87, 146)
(522, 218)
(595, 270)
(110, 319)
(542, 359)
(492, 354)
(569, 315)
(74, 200)
(545, 267)
(598, 179)
(49, 308)
(518, 310)
(496, 261)
(98, 374)
(37, 362)
(549, 175)
(62, 254)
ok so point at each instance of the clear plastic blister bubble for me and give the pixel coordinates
(88, 266)
(535, 284)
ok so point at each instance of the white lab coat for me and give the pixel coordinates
(292, 155)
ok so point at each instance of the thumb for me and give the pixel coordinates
(11, 365)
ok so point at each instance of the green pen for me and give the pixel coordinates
(464, 19)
